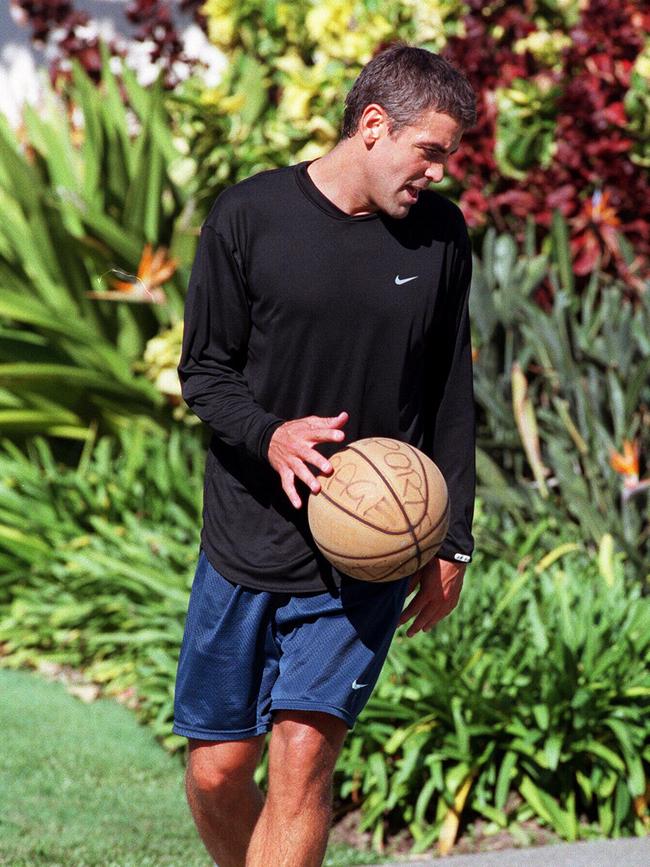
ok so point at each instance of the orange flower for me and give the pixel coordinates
(598, 209)
(627, 464)
(154, 269)
(595, 233)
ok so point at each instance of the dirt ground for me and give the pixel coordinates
(473, 838)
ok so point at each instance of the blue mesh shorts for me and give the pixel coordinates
(247, 653)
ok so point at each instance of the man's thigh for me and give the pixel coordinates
(247, 655)
(228, 661)
(332, 648)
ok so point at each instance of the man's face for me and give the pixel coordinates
(401, 165)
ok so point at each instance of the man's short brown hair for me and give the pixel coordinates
(405, 81)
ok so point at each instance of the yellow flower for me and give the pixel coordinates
(546, 47)
(347, 30)
(232, 103)
(291, 63)
(302, 84)
(289, 17)
(322, 129)
(221, 21)
(312, 151)
(295, 102)
(429, 19)
(642, 63)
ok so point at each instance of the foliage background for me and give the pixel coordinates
(531, 701)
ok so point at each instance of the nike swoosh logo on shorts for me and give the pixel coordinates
(399, 281)
(356, 685)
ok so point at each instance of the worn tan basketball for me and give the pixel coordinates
(384, 511)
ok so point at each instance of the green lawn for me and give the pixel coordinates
(85, 785)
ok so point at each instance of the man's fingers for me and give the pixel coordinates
(326, 435)
(418, 623)
(328, 423)
(301, 471)
(427, 619)
(414, 580)
(435, 600)
(412, 608)
(316, 459)
(289, 488)
(427, 613)
(336, 420)
(290, 451)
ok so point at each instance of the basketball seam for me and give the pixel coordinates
(371, 524)
(386, 576)
(410, 526)
(382, 555)
(361, 520)
(426, 481)
(424, 542)
(436, 526)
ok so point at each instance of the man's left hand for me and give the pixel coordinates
(440, 583)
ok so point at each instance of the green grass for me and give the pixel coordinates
(84, 785)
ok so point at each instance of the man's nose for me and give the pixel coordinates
(435, 172)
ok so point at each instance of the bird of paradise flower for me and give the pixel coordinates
(155, 268)
(627, 465)
(596, 236)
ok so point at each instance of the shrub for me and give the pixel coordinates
(96, 560)
(85, 203)
(529, 700)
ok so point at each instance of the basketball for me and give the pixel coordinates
(384, 511)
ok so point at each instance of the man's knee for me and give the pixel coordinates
(304, 749)
(217, 770)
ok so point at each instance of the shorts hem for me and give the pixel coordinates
(208, 735)
(347, 718)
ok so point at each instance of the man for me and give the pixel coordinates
(328, 300)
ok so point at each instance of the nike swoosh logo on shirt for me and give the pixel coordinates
(398, 281)
(356, 685)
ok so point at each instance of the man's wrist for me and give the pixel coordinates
(265, 440)
(456, 557)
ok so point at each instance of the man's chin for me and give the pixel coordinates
(398, 211)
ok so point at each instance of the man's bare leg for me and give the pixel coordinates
(223, 797)
(294, 824)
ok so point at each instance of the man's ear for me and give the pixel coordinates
(373, 123)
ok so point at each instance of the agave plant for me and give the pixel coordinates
(95, 211)
(562, 390)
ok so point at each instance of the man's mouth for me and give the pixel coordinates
(413, 191)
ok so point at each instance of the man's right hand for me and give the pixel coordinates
(291, 448)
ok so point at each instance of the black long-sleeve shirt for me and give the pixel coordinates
(296, 308)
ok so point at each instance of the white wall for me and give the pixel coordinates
(23, 68)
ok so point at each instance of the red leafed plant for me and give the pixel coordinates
(591, 179)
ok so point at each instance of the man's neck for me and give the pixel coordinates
(336, 178)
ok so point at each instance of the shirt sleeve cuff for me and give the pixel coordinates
(265, 439)
(452, 556)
